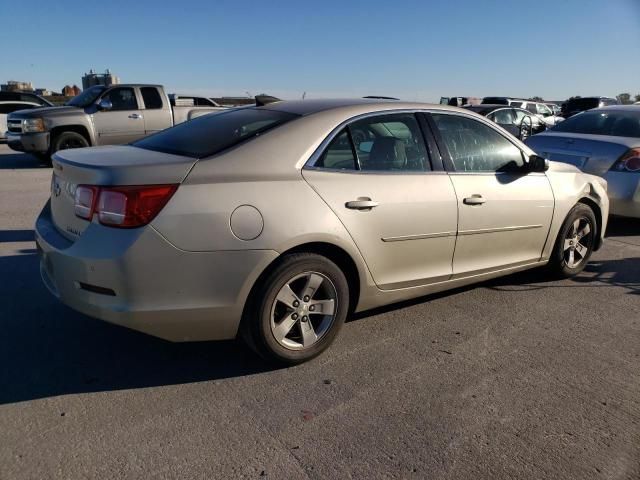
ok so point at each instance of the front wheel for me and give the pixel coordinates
(297, 310)
(575, 242)
(67, 140)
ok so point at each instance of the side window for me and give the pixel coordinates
(520, 114)
(503, 116)
(151, 97)
(123, 98)
(202, 102)
(390, 143)
(544, 110)
(532, 108)
(339, 154)
(516, 104)
(475, 147)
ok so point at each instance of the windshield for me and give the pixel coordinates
(87, 97)
(212, 133)
(594, 122)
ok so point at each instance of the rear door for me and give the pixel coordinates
(376, 176)
(124, 122)
(504, 213)
(157, 111)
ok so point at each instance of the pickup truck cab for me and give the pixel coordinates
(100, 115)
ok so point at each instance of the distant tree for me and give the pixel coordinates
(625, 98)
(638, 98)
(537, 99)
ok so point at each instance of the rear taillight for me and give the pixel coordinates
(629, 162)
(124, 207)
(85, 201)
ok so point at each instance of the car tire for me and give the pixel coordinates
(297, 309)
(67, 140)
(575, 242)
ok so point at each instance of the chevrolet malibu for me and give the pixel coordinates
(275, 222)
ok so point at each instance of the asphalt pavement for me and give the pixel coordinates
(521, 377)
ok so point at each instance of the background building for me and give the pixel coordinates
(14, 86)
(91, 79)
(69, 91)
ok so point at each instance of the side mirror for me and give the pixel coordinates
(537, 163)
(105, 104)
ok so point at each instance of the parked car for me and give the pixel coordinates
(24, 97)
(99, 116)
(557, 111)
(581, 104)
(9, 107)
(518, 122)
(604, 142)
(540, 110)
(267, 222)
(460, 101)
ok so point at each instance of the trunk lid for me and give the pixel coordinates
(107, 166)
(593, 154)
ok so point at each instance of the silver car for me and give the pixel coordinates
(276, 222)
(604, 142)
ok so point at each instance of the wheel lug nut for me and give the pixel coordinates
(296, 303)
(294, 316)
(304, 319)
(306, 298)
(312, 308)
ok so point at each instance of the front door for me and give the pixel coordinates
(504, 212)
(377, 178)
(123, 122)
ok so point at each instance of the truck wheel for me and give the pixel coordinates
(66, 140)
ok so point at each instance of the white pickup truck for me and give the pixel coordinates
(102, 116)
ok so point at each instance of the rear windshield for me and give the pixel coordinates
(210, 134)
(620, 124)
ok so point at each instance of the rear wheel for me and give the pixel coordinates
(297, 311)
(575, 242)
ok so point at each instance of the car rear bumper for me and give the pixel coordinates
(137, 279)
(29, 142)
(623, 189)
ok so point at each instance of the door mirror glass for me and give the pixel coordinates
(105, 104)
(537, 163)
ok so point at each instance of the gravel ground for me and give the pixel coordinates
(519, 377)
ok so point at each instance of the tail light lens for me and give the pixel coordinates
(629, 162)
(124, 207)
(85, 201)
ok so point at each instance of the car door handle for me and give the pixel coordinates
(135, 115)
(362, 203)
(474, 200)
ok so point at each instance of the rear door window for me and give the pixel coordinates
(340, 154)
(391, 142)
(151, 98)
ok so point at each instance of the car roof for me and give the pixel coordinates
(308, 107)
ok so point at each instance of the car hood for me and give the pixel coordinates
(47, 112)
(593, 154)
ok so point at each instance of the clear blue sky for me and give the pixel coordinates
(410, 49)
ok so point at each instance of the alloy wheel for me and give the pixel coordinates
(304, 310)
(578, 242)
